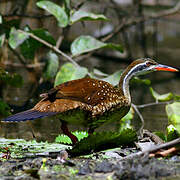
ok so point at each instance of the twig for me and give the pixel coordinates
(153, 104)
(30, 66)
(54, 48)
(126, 24)
(154, 149)
(26, 16)
(165, 152)
(19, 56)
(141, 118)
(59, 41)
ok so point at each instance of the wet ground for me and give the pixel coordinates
(99, 168)
(46, 163)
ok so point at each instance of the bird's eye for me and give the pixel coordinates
(149, 63)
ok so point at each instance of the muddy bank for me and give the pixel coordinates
(96, 167)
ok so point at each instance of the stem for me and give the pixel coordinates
(54, 48)
(141, 118)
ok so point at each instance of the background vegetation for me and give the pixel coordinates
(44, 43)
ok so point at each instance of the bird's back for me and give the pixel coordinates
(78, 102)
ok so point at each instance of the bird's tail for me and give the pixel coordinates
(27, 115)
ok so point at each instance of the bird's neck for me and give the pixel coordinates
(124, 82)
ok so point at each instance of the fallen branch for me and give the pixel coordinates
(154, 149)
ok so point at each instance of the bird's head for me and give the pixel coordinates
(146, 65)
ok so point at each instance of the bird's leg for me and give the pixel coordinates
(66, 131)
(32, 130)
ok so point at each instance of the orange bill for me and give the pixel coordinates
(161, 67)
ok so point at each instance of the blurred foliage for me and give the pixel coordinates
(173, 113)
(10, 79)
(4, 109)
(52, 65)
(163, 97)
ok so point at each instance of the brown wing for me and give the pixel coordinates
(86, 90)
(89, 94)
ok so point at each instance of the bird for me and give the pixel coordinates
(89, 102)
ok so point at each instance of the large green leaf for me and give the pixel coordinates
(114, 78)
(56, 11)
(84, 44)
(44, 34)
(103, 140)
(30, 45)
(70, 72)
(173, 112)
(163, 97)
(172, 133)
(85, 16)
(51, 66)
(16, 38)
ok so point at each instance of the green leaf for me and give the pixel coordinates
(173, 112)
(117, 47)
(66, 140)
(11, 79)
(57, 11)
(0, 19)
(44, 34)
(114, 78)
(103, 140)
(70, 72)
(51, 66)
(67, 7)
(85, 16)
(125, 122)
(172, 133)
(97, 72)
(161, 135)
(137, 80)
(163, 97)
(4, 109)
(25, 149)
(84, 44)
(29, 47)
(2, 38)
(16, 38)
(177, 97)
